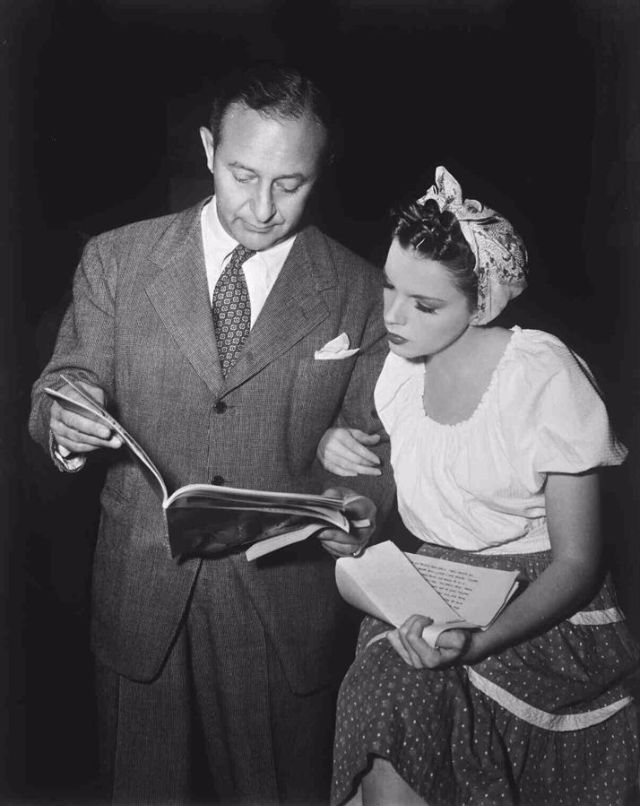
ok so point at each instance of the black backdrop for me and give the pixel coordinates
(531, 104)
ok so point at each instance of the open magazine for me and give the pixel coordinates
(392, 585)
(207, 519)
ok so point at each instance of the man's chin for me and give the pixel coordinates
(258, 241)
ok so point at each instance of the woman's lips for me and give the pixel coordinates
(395, 339)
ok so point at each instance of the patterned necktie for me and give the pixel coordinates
(231, 309)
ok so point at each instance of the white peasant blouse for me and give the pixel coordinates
(478, 485)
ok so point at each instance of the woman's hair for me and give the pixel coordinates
(438, 236)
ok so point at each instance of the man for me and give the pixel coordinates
(233, 661)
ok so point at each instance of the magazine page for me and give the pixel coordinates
(287, 538)
(208, 519)
(385, 584)
(266, 498)
(87, 405)
(321, 517)
(477, 594)
(209, 531)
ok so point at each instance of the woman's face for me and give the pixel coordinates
(424, 311)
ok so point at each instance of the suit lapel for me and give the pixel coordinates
(294, 307)
(180, 295)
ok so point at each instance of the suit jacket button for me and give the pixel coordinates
(220, 407)
(217, 480)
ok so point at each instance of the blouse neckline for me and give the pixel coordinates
(515, 332)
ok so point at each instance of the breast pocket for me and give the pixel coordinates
(319, 389)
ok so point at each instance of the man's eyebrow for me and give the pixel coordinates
(236, 164)
(300, 177)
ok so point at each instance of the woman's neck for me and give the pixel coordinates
(457, 378)
(461, 352)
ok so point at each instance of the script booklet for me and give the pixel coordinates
(206, 519)
(392, 585)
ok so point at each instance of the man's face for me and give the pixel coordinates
(264, 170)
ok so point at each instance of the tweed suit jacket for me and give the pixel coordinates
(140, 327)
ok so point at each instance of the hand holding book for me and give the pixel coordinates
(75, 428)
(361, 514)
(206, 519)
(393, 586)
(417, 648)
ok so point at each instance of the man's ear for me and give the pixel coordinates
(207, 143)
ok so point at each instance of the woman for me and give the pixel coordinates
(496, 437)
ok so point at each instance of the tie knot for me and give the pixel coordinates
(240, 254)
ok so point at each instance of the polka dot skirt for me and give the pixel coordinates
(455, 745)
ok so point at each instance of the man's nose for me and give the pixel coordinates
(263, 205)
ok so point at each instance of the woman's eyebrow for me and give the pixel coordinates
(386, 279)
(428, 299)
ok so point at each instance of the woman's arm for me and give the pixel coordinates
(573, 520)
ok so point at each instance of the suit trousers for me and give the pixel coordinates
(220, 724)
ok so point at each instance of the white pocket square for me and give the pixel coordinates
(335, 349)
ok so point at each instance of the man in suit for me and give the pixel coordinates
(217, 670)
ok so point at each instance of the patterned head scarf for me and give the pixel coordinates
(500, 254)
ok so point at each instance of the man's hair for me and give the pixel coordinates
(438, 236)
(274, 91)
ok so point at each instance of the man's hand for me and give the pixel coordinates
(408, 642)
(343, 452)
(359, 508)
(80, 433)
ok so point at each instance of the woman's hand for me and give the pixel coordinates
(361, 513)
(343, 452)
(408, 642)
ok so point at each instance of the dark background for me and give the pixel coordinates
(532, 105)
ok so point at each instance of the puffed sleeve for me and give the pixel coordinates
(553, 414)
(397, 390)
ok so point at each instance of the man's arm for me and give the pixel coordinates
(83, 352)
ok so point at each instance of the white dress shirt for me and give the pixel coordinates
(260, 271)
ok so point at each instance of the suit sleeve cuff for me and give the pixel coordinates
(62, 459)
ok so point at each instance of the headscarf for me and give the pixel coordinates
(501, 257)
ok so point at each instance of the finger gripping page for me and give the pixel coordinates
(349, 499)
(431, 634)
